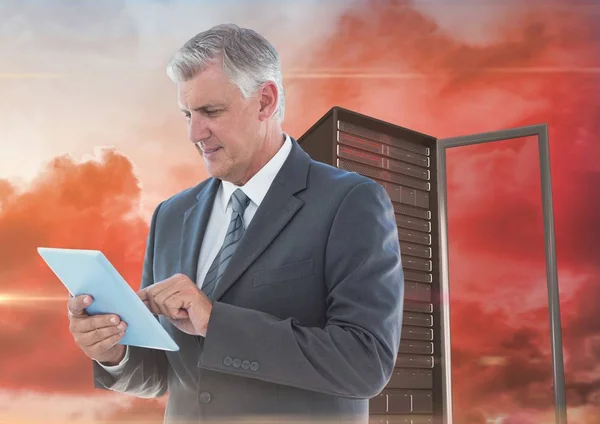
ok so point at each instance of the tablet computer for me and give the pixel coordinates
(90, 272)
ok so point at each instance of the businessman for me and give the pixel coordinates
(279, 277)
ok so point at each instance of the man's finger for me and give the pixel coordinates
(76, 305)
(93, 337)
(104, 345)
(151, 304)
(163, 297)
(96, 322)
(143, 294)
(174, 305)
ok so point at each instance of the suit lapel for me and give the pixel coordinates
(274, 213)
(194, 226)
(195, 221)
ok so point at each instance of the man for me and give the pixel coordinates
(279, 277)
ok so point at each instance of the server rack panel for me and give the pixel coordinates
(403, 161)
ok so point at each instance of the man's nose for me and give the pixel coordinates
(198, 128)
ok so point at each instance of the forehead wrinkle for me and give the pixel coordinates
(213, 93)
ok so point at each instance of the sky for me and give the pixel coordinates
(91, 140)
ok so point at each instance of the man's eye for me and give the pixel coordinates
(211, 112)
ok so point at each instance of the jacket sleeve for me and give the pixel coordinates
(354, 354)
(144, 373)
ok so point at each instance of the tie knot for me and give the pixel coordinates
(239, 201)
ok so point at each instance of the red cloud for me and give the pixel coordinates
(88, 205)
(496, 192)
(498, 364)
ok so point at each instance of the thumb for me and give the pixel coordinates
(180, 314)
(76, 305)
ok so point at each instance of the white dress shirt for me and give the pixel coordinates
(256, 190)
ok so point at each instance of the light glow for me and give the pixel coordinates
(11, 299)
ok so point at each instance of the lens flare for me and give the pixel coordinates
(16, 299)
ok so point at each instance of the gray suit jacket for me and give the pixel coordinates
(306, 320)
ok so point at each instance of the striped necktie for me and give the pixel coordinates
(239, 202)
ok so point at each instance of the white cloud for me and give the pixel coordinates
(33, 407)
(112, 88)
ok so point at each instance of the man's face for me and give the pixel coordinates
(227, 128)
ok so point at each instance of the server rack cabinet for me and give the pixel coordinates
(411, 167)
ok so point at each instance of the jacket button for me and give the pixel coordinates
(227, 361)
(237, 362)
(205, 397)
(254, 366)
(245, 364)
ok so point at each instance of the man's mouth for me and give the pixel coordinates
(210, 152)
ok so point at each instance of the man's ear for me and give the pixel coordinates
(268, 98)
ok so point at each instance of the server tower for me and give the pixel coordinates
(411, 166)
(404, 163)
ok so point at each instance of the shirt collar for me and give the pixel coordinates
(256, 188)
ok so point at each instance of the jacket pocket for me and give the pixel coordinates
(284, 273)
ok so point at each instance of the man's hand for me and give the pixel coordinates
(96, 335)
(179, 299)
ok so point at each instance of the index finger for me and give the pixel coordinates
(76, 305)
(143, 294)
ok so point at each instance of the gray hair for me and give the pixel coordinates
(248, 60)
